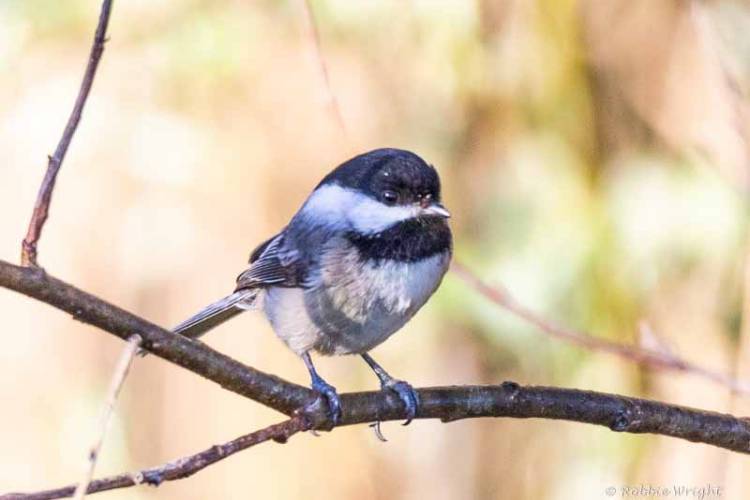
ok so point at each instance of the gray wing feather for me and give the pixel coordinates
(271, 265)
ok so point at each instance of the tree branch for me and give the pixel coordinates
(197, 357)
(619, 413)
(54, 162)
(178, 469)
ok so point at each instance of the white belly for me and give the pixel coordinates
(352, 306)
(286, 311)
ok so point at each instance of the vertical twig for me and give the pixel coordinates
(331, 103)
(735, 472)
(181, 467)
(118, 377)
(54, 162)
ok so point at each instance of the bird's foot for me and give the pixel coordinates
(407, 394)
(150, 477)
(328, 392)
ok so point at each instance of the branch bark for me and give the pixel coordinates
(616, 412)
(54, 162)
(619, 413)
(195, 356)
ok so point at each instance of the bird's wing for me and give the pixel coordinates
(256, 254)
(271, 264)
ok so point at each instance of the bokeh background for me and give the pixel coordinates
(593, 154)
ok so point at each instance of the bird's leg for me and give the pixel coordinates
(324, 389)
(404, 391)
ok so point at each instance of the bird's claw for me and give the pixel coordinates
(408, 396)
(375, 426)
(328, 392)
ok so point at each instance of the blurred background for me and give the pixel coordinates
(594, 155)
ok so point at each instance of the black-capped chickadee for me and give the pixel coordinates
(367, 249)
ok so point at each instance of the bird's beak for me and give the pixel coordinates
(436, 209)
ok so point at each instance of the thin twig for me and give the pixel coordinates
(180, 468)
(331, 103)
(657, 359)
(741, 364)
(54, 162)
(118, 377)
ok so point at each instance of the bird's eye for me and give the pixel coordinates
(390, 197)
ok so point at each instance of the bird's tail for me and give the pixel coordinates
(217, 313)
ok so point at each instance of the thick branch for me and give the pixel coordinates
(619, 413)
(193, 355)
(54, 162)
(509, 400)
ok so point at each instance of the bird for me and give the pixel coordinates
(366, 250)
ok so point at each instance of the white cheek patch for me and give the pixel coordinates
(329, 203)
(347, 208)
(371, 216)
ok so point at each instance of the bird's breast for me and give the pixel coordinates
(357, 301)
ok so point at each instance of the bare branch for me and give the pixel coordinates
(197, 357)
(621, 414)
(41, 207)
(181, 468)
(648, 357)
(118, 377)
(508, 400)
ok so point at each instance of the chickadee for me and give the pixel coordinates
(367, 249)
